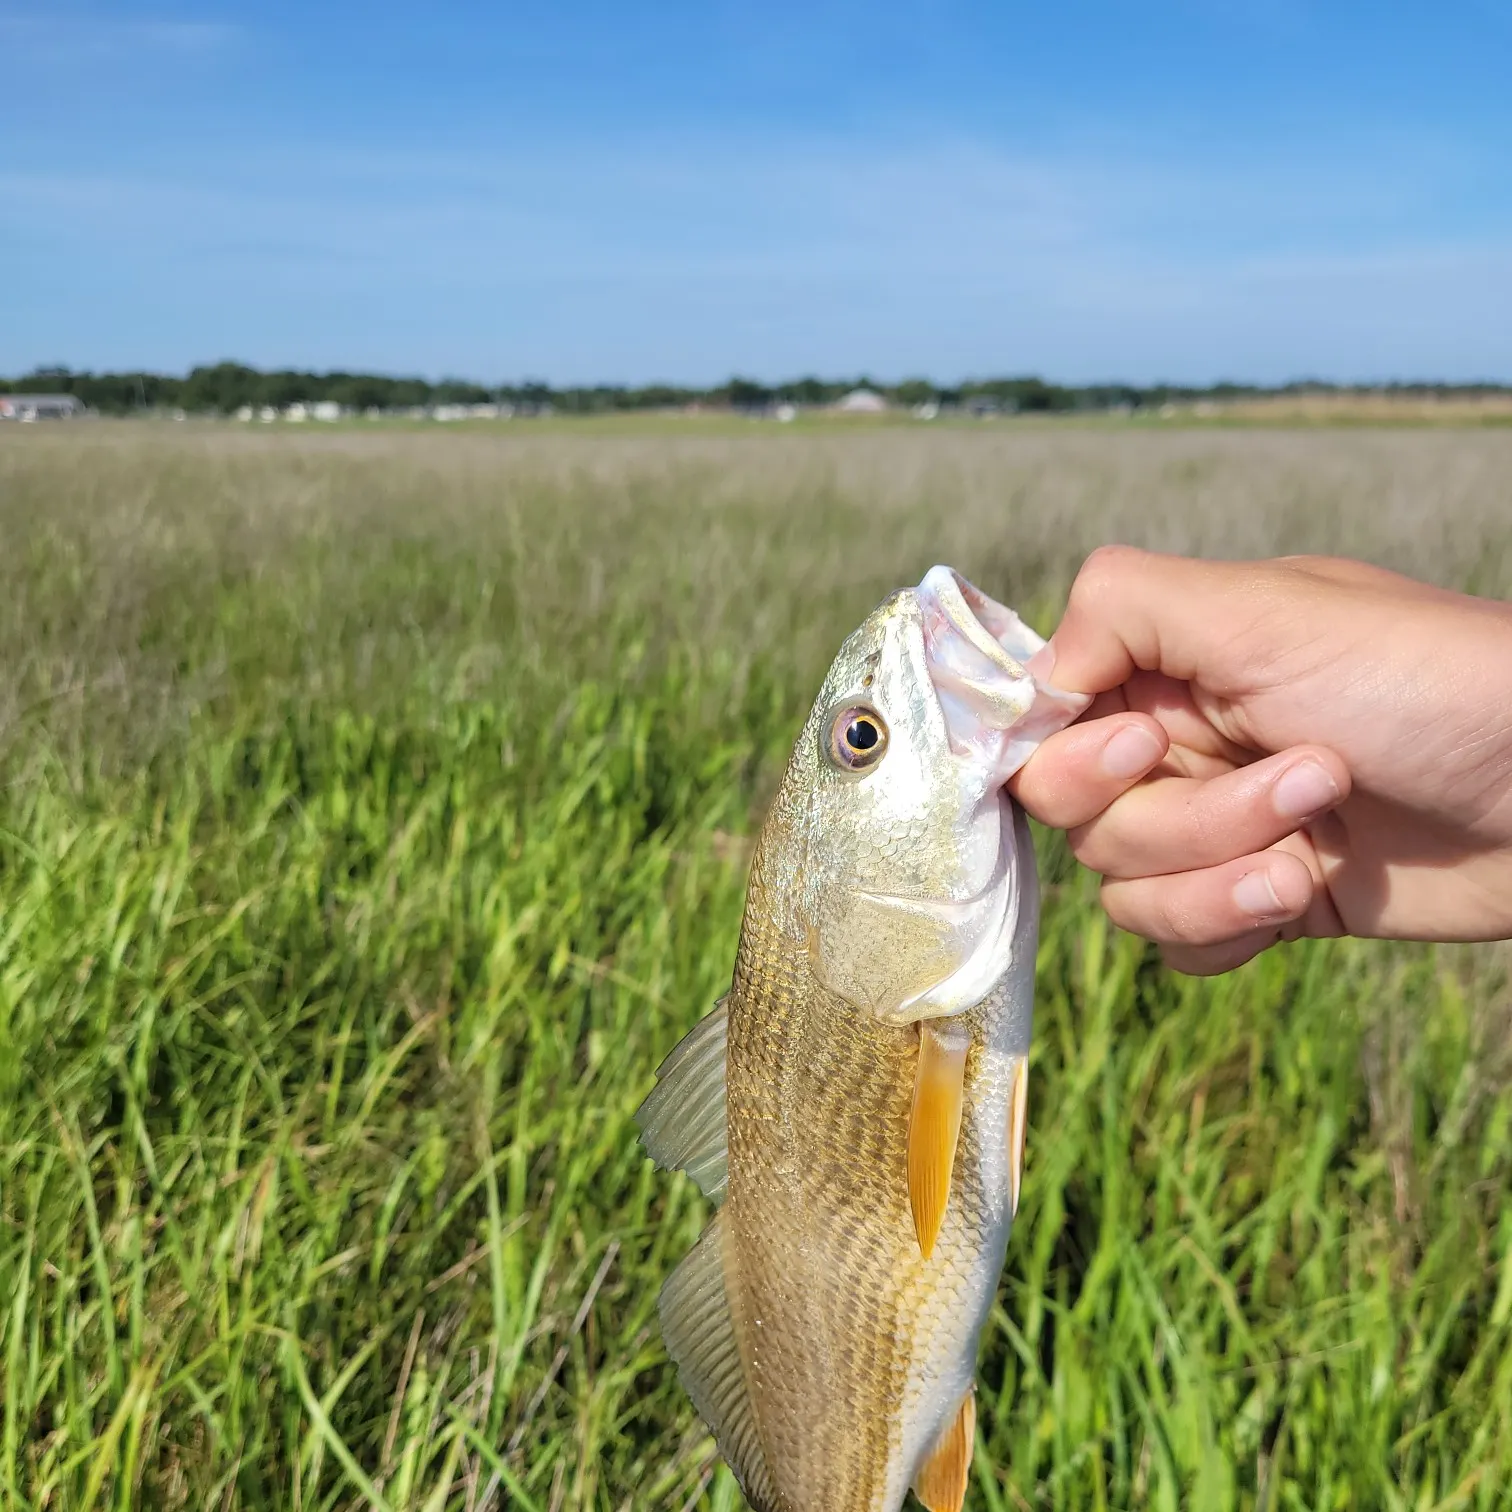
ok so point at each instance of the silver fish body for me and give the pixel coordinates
(856, 1103)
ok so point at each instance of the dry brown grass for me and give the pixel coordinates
(1364, 408)
(150, 569)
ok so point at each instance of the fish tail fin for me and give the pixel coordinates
(698, 1327)
(941, 1481)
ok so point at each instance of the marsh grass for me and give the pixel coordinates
(374, 818)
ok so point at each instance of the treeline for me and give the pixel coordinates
(229, 386)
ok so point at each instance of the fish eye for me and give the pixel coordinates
(857, 738)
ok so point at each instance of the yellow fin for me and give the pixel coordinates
(941, 1481)
(934, 1126)
(1018, 1116)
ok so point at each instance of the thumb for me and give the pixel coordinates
(1134, 610)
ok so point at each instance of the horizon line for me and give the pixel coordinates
(861, 379)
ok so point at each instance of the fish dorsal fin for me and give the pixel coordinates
(682, 1120)
(698, 1327)
(941, 1481)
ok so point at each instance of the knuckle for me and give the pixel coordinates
(1039, 799)
(1310, 562)
(1087, 845)
(1153, 908)
(1114, 905)
(1179, 922)
(1104, 568)
(1047, 786)
(1314, 564)
(1126, 840)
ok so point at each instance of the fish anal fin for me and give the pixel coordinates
(934, 1126)
(682, 1120)
(941, 1481)
(700, 1332)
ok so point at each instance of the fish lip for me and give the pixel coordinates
(981, 689)
(986, 624)
(979, 657)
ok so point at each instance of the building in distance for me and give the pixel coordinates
(862, 401)
(32, 407)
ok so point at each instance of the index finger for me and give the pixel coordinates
(1130, 609)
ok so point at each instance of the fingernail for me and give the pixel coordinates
(1042, 663)
(1305, 790)
(1131, 752)
(1255, 895)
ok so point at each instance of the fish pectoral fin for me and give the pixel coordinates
(941, 1481)
(700, 1331)
(934, 1125)
(682, 1120)
(1018, 1115)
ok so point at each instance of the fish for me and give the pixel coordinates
(856, 1104)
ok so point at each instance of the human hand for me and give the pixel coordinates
(1302, 746)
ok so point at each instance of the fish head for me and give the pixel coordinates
(905, 872)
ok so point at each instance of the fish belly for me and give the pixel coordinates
(857, 1351)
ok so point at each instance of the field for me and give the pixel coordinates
(374, 815)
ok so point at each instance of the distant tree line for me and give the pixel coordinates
(229, 386)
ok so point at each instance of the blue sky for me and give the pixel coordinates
(623, 192)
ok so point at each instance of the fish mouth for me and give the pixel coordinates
(973, 658)
(981, 660)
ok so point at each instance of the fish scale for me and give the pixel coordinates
(887, 1330)
(829, 1340)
